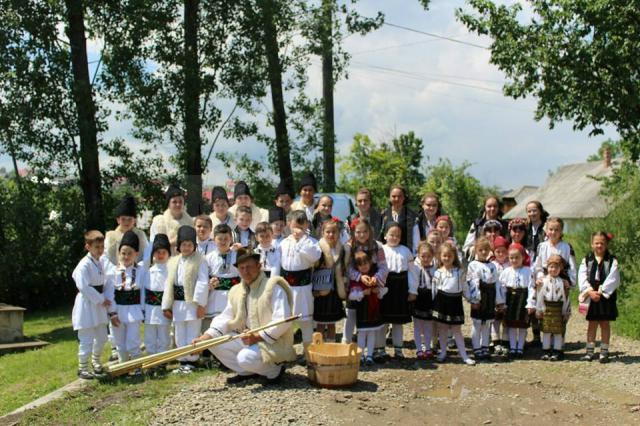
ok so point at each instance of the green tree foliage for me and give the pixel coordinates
(614, 147)
(378, 166)
(461, 194)
(579, 59)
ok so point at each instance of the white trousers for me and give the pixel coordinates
(558, 341)
(481, 334)
(127, 339)
(157, 338)
(367, 339)
(422, 328)
(517, 337)
(244, 360)
(306, 327)
(185, 332)
(91, 341)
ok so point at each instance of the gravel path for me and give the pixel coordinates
(412, 392)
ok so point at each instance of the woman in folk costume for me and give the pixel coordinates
(242, 197)
(157, 333)
(173, 218)
(492, 211)
(426, 221)
(329, 280)
(553, 307)
(125, 213)
(366, 210)
(599, 278)
(399, 213)
(185, 293)
(307, 189)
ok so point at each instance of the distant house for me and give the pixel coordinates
(512, 198)
(571, 193)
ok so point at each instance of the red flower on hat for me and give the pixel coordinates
(609, 236)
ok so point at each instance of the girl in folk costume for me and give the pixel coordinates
(519, 289)
(268, 249)
(402, 285)
(323, 214)
(518, 234)
(553, 308)
(399, 213)
(299, 253)
(125, 213)
(365, 298)
(157, 335)
(444, 226)
(173, 218)
(185, 293)
(423, 306)
(499, 330)
(363, 241)
(364, 204)
(307, 189)
(554, 245)
(486, 297)
(536, 219)
(127, 298)
(450, 286)
(242, 197)
(278, 224)
(599, 279)
(220, 206)
(284, 197)
(204, 242)
(434, 239)
(492, 211)
(89, 316)
(426, 220)
(328, 280)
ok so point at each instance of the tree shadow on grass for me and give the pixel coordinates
(59, 335)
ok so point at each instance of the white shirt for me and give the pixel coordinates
(88, 311)
(552, 290)
(220, 266)
(400, 259)
(128, 313)
(270, 258)
(155, 280)
(546, 249)
(519, 278)
(486, 272)
(451, 281)
(207, 246)
(608, 285)
(299, 255)
(429, 225)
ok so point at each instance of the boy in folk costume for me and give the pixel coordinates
(268, 249)
(278, 224)
(187, 276)
(89, 317)
(243, 235)
(220, 206)
(157, 333)
(173, 218)
(204, 226)
(242, 197)
(128, 294)
(125, 213)
(284, 197)
(307, 189)
(300, 252)
(554, 308)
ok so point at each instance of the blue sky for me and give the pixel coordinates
(446, 92)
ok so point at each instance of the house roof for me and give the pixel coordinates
(570, 193)
(521, 193)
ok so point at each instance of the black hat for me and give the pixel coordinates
(284, 189)
(244, 254)
(160, 241)
(186, 233)
(219, 193)
(126, 207)
(308, 180)
(130, 239)
(276, 214)
(241, 188)
(173, 191)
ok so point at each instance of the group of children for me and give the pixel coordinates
(337, 271)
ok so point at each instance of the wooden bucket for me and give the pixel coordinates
(332, 365)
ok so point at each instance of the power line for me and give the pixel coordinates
(402, 27)
(396, 46)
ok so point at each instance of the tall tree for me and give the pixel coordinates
(328, 131)
(577, 58)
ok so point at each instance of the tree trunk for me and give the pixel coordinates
(328, 134)
(86, 109)
(277, 97)
(191, 110)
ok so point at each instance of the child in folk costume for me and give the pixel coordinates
(127, 283)
(364, 240)
(519, 289)
(554, 245)
(268, 249)
(278, 224)
(173, 218)
(323, 214)
(284, 197)
(307, 189)
(450, 285)
(553, 308)
(366, 300)
(434, 239)
(518, 233)
(204, 242)
(499, 330)
(423, 306)
(599, 279)
(299, 253)
(242, 197)
(243, 235)
(185, 293)
(157, 333)
(89, 316)
(126, 218)
(402, 285)
(220, 206)
(426, 220)
(222, 274)
(328, 280)
(486, 297)
(444, 226)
